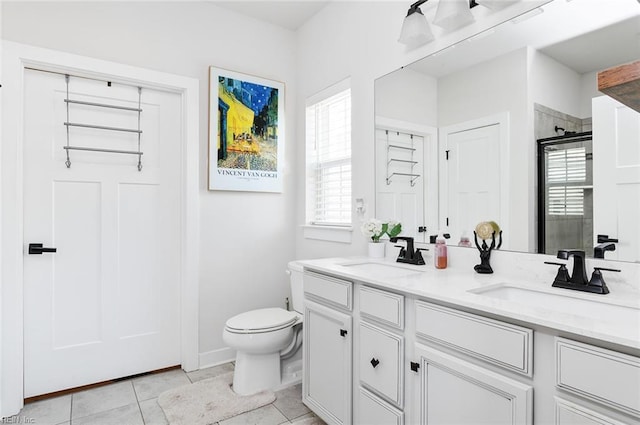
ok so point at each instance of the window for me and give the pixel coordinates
(566, 176)
(328, 141)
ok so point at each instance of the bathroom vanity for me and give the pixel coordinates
(386, 343)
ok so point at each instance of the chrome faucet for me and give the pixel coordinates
(578, 278)
(408, 255)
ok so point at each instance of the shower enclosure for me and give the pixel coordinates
(565, 193)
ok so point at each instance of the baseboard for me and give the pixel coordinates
(216, 357)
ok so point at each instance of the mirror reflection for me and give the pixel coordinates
(509, 126)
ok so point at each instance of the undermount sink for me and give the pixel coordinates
(551, 299)
(380, 269)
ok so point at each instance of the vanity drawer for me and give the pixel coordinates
(373, 411)
(503, 344)
(382, 306)
(599, 374)
(335, 291)
(380, 365)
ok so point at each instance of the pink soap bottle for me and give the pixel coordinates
(440, 252)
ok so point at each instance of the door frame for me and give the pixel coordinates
(15, 58)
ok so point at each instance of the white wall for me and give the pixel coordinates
(408, 96)
(246, 238)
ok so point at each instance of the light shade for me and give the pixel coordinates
(415, 29)
(496, 4)
(453, 14)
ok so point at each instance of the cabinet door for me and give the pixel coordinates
(453, 391)
(327, 351)
(568, 413)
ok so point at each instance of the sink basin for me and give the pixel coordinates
(381, 270)
(586, 306)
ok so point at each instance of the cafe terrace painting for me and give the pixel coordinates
(246, 132)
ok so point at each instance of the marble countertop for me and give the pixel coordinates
(453, 285)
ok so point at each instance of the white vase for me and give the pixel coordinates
(376, 249)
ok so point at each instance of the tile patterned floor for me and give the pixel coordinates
(134, 402)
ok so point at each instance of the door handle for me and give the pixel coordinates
(374, 362)
(37, 248)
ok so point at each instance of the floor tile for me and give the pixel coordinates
(210, 372)
(51, 411)
(129, 415)
(152, 413)
(289, 402)
(267, 415)
(308, 419)
(101, 399)
(151, 386)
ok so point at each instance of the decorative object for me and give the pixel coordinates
(246, 132)
(375, 229)
(486, 230)
(209, 401)
(376, 249)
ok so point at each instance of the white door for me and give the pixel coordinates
(105, 305)
(472, 191)
(400, 180)
(616, 176)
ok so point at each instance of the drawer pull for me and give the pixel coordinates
(343, 332)
(415, 366)
(375, 362)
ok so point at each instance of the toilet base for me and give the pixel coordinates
(256, 372)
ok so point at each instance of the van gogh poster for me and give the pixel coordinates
(246, 132)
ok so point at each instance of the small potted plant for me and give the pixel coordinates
(375, 229)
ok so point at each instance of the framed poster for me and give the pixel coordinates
(246, 132)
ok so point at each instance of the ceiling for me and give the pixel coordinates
(289, 14)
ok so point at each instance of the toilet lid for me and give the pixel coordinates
(259, 320)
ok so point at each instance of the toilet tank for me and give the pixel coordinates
(295, 279)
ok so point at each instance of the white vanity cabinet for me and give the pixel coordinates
(452, 390)
(327, 347)
(378, 356)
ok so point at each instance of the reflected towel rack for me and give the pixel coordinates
(68, 124)
(411, 162)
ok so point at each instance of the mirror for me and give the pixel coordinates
(509, 126)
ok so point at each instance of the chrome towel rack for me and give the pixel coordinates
(69, 124)
(411, 162)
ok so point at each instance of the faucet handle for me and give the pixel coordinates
(598, 281)
(562, 276)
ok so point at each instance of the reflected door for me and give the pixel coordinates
(105, 304)
(616, 176)
(473, 178)
(400, 180)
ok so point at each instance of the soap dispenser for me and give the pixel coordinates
(440, 255)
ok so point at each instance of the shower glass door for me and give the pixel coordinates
(565, 193)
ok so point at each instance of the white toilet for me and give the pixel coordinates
(262, 338)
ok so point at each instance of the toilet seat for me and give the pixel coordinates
(262, 320)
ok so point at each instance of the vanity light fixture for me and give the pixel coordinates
(415, 28)
(454, 14)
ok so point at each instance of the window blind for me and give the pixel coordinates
(328, 138)
(566, 177)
